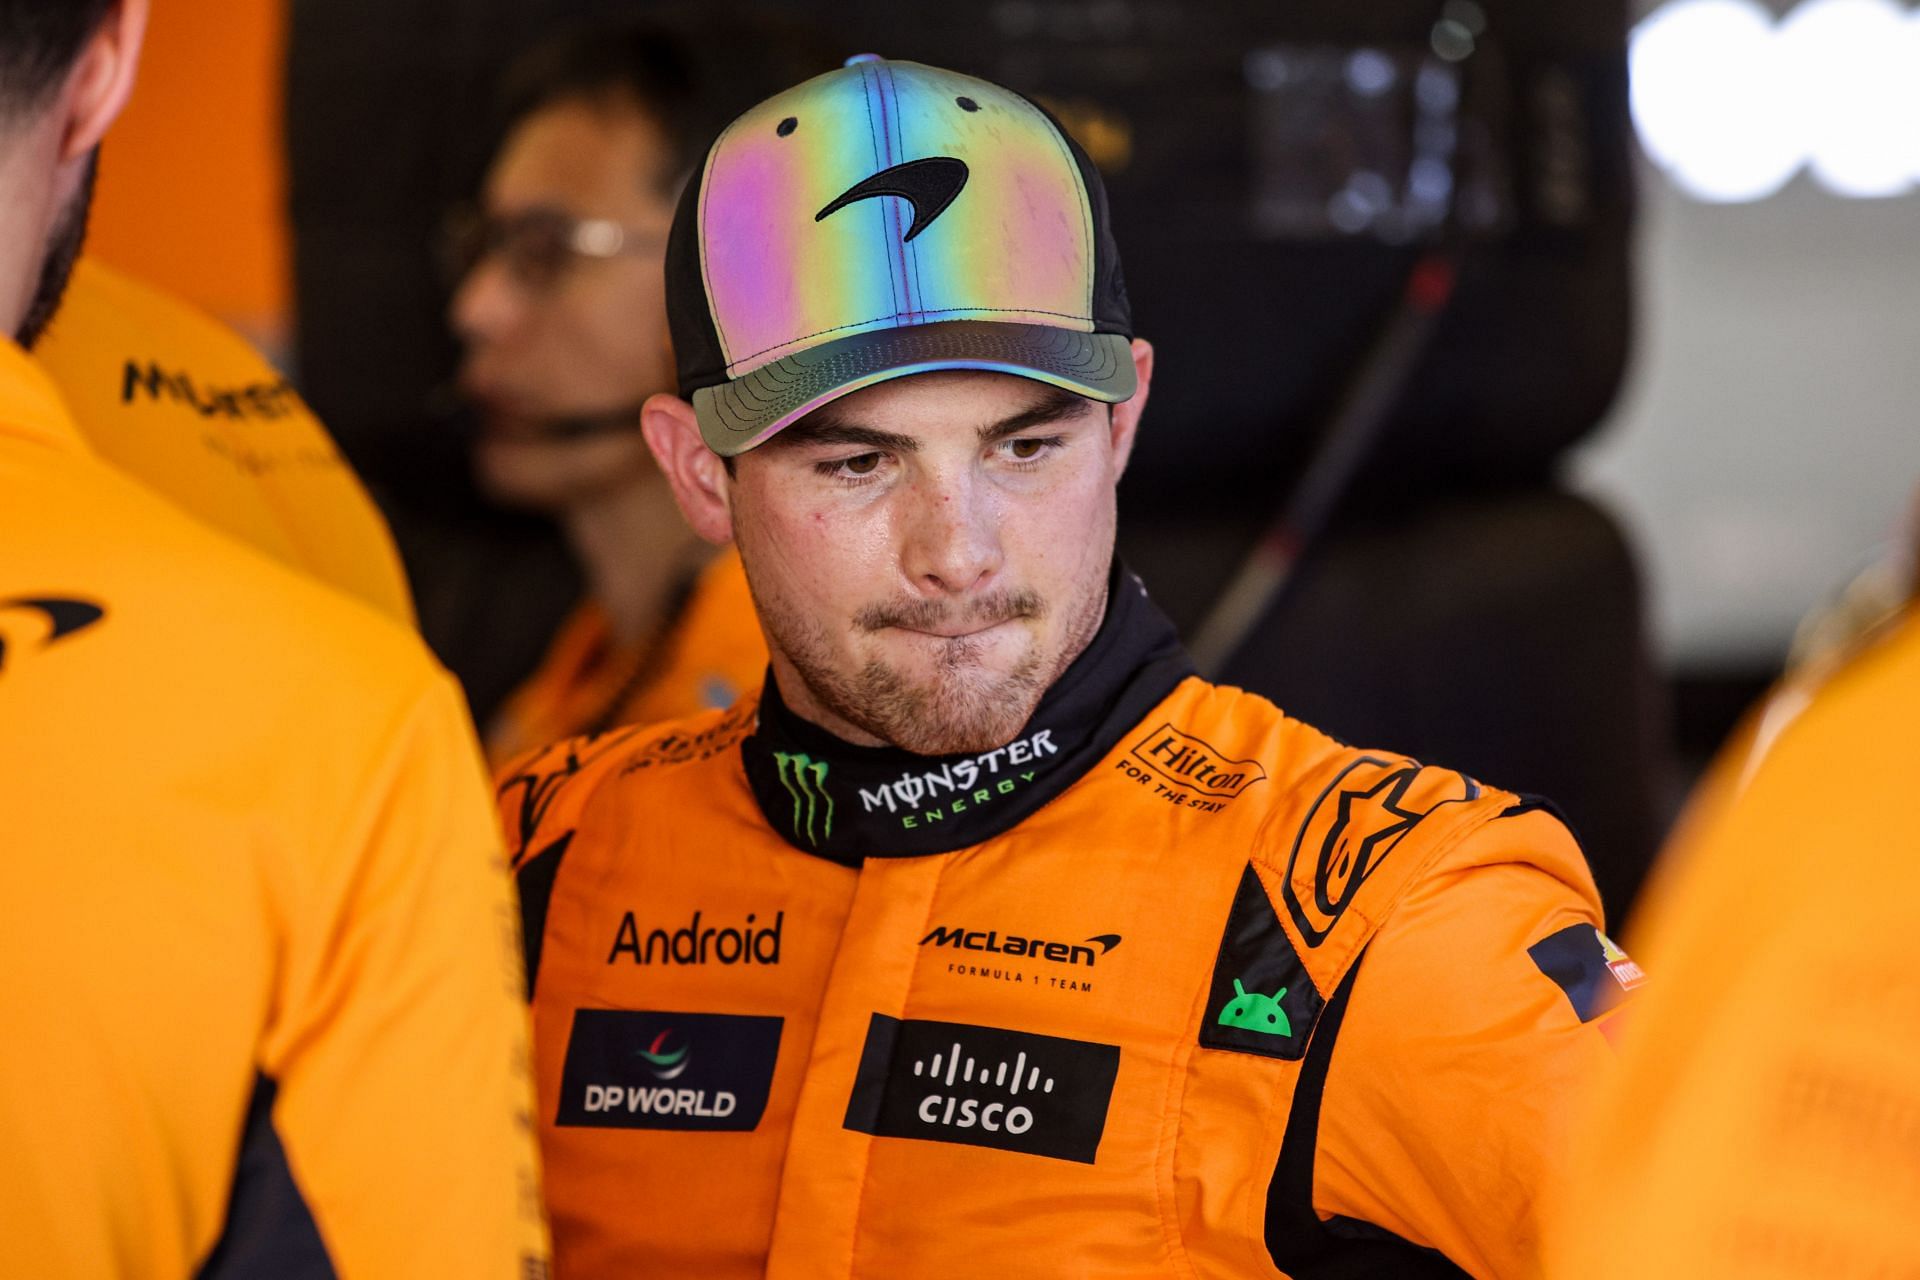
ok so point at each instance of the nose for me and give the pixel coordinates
(953, 545)
(486, 305)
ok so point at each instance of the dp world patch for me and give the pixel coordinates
(652, 1070)
(983, 1087)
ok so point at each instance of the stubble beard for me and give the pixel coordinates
(56, 267)
(964, 706)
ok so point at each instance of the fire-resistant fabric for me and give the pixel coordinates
(708, 656)
(174, 399)
(1764, 1120)
(1170, 985)
(262, 1004)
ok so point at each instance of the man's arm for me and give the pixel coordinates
(400, 1050)
(1475, 1027)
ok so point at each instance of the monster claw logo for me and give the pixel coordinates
(666, 1066)
(1251, 1011)
(806, 781)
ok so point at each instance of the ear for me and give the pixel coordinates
(102, 78)
(1126, 416)
(697, 474)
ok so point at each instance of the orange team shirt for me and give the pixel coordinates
(712, 652)
(262, 1008)
(1171, 984)
(172, 398)
(1767, 1113)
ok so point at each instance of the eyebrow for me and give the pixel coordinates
(1058, 406)
(821, 427)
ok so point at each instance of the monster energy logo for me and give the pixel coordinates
(806, 781)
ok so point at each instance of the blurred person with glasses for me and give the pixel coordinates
(560, 309)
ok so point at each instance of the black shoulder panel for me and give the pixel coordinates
(1302, 1245)
(270, 1230)
(536, 878)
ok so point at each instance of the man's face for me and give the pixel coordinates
(930, 553)
(586, 341)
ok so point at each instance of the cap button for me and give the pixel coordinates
(858, 58)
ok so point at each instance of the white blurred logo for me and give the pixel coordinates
(1731, 103)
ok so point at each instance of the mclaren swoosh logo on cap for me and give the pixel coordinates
(930, 185)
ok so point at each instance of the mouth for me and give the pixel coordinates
(961, 631)
(950, 622)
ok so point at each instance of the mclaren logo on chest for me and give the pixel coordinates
(1013, 944)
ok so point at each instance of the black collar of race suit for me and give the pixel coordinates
(848, 803)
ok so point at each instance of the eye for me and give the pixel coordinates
(1027, 448)
(857, 469)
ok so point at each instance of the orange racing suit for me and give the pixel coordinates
(1169, 985)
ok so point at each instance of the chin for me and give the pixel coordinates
(951, 702)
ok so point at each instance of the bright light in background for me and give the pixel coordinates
(1732, 104)
(1851, 66)
(1706, 79)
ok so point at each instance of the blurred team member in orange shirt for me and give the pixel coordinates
(561, 309)
(174, 399)
(262, 1012)
(1768, 1110)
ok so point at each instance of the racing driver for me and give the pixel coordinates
(988, 939)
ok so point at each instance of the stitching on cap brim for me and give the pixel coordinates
(735, 416)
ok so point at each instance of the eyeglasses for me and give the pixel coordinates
(537, 247)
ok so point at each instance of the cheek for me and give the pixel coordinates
(614, 336)
(840, 557)
(1062, 531)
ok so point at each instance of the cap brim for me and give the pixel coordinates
(735, 416)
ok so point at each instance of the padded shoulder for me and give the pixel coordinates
(1351, 836)
(543, 793)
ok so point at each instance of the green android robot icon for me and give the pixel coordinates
(1251, 1011)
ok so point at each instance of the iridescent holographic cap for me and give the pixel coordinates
(889, 218)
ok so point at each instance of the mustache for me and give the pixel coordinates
(929, 615)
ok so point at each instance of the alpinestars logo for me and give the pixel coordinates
(961, 784)
(806, 781)
(983, 1087)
